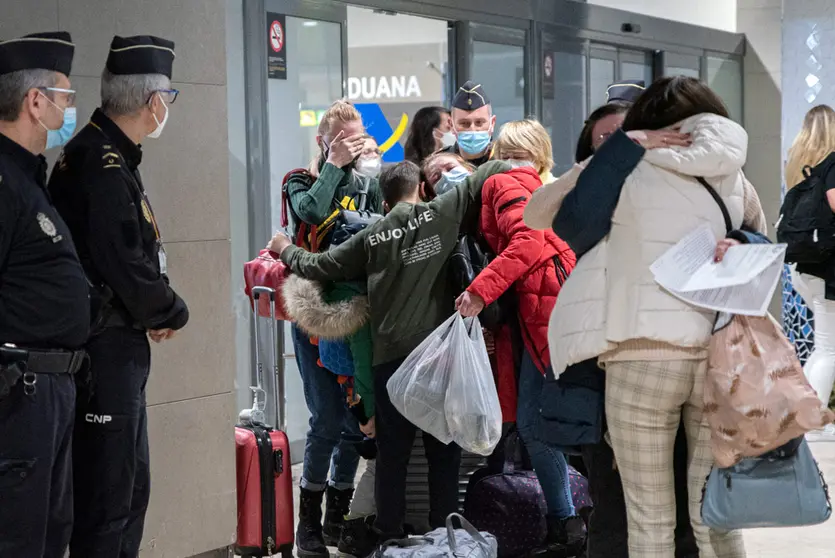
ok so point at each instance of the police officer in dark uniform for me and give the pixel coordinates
(44, 302)
(98, 190)
(473, 123)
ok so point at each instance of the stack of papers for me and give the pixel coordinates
(742, 283)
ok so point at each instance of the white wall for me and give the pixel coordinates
(719, 14)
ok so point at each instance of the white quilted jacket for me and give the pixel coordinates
(611, 296)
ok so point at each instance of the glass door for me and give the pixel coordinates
(603, 65)
(635, 65)
(564, 94)
(496, 60)
(305, 72)
(676, 64)
(724, 75)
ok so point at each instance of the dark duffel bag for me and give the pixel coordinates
(509, 504)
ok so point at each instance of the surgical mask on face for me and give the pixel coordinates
(160, 125)
(370, 167)
(450, 179)
(474, 143)
(448, 139)
(59, 137)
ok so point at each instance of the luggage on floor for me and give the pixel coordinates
(262, 461)
(446, 542)
(510, 504)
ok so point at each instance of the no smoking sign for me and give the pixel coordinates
(276, 36)
(276, 46)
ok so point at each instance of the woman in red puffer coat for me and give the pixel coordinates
(534, 264)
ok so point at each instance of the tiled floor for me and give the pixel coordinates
(807, 542)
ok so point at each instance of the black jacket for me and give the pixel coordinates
(44, 298)
(99, 193)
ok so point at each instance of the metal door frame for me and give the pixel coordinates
(258, 133)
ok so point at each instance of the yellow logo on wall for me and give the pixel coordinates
(307, 118)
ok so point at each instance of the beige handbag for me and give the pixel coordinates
(756, 395)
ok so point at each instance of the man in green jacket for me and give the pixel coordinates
(404, 257)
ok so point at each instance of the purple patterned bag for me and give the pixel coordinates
(510, 506)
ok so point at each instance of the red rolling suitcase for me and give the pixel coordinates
(262, 458)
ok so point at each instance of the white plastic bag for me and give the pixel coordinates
(473, 412)
(418, 388)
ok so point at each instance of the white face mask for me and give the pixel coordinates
(370, 167)
(448, 139)
(160, 125)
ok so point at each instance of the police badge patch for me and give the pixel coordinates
(48, 227)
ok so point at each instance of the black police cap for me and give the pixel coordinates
(470, 96)
(628, 90)
(142, 54)
(39, 51)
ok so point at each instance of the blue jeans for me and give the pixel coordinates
(548, 462)
(334, 434)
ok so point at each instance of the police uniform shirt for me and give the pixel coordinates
(44, 295)
(98, 190)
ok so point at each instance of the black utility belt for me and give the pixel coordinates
(42, 361)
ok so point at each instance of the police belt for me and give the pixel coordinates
(54, 362)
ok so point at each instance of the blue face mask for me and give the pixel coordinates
(59, 137)
(450, 179)
(474, 143)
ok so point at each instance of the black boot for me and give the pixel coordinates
(566, 538)
(309, 541)
(358, 539)
(339, 502)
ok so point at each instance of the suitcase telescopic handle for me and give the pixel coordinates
(280, 393)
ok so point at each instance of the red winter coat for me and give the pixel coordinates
(524, 260)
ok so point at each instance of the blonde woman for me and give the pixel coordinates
(334, 434)
(526, 262)
(814, 143)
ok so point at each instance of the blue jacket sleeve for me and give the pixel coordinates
(585, 216)
(748, 237)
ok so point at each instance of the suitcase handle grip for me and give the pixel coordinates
(280, 390)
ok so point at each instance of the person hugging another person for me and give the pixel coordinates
(533, 264)
(403, 259)
(331, 181)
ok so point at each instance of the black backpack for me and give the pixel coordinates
(807, 223)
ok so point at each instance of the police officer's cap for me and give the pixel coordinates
(39, 51)
(628, 90)
(470, 96)
(142, 54)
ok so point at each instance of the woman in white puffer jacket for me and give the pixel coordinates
(652, 345)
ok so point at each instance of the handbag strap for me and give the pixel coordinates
(719, 201)
(468, 527)
(363, 194)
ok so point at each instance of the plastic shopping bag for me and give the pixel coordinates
(472, 405)
(418, 388)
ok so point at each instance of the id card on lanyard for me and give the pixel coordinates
(149, 216)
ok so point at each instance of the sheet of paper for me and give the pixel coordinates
(742, 284)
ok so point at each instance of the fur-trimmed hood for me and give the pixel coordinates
(305, 303)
